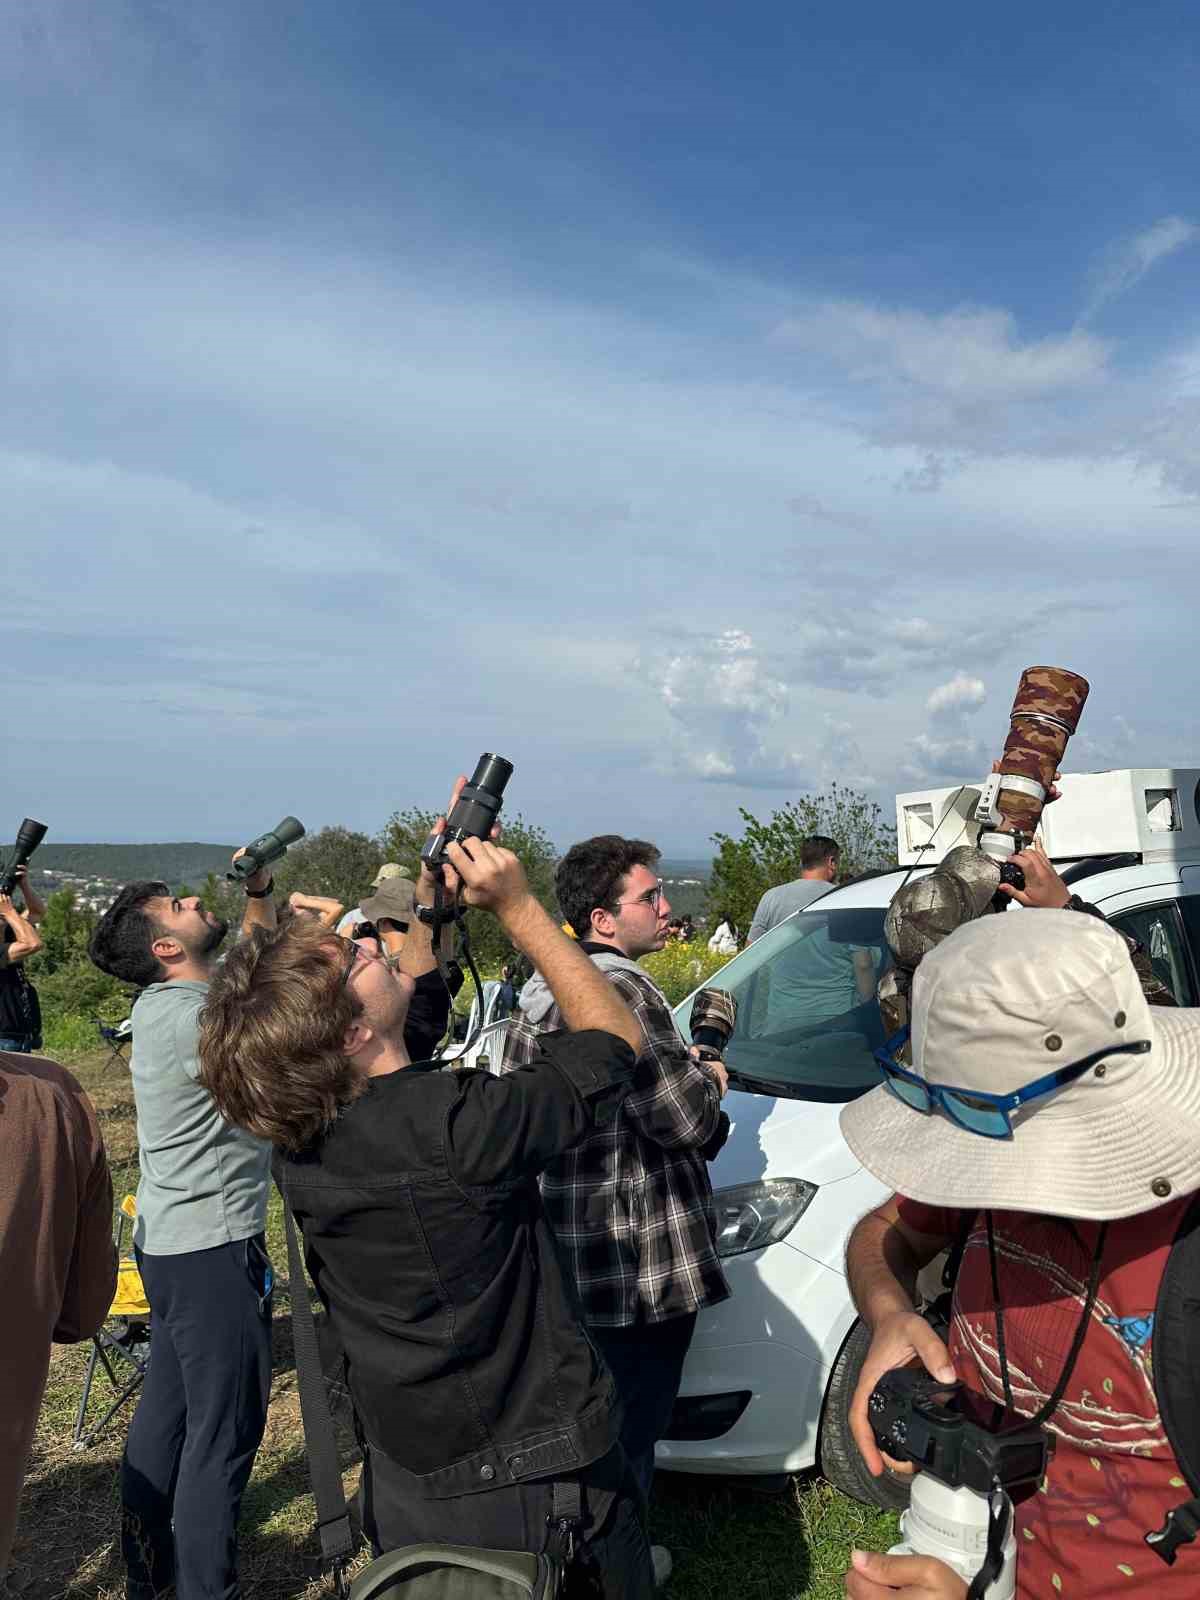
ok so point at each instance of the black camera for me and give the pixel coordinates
(474, 814)
(1011, 874)
(29, 835)
(265, 849)
(960, 1437)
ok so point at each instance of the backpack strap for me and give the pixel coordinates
(1175, 1353)
(320, 1441)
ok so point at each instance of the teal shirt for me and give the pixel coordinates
(203, 1183)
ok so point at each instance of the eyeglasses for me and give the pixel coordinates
(356, 950)
(651, 898)
(973, 1109)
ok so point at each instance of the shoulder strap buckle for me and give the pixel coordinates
(1181, 1527)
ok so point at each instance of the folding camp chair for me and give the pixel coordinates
(124, 1338)
(116, 1038)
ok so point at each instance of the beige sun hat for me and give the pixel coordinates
(999, 1004)
(389, 869)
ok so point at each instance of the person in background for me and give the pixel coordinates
(389, 870)
(819, 858)
(724, 941)
(20, 1011)
(325, 910)
(389, 911)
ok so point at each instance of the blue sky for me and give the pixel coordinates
(694, 404)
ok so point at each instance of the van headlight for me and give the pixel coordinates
(751, 1215)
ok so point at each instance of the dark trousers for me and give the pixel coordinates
(19, 1043)
(646, 1361)
(613, 1560)
(199, 1421)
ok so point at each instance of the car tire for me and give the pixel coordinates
(838, 1456)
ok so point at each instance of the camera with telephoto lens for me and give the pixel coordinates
(265, 849)
(29, 835)
(959, 1437)
(474, 813)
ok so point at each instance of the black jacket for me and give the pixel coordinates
(465, 1355)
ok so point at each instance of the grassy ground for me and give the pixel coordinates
(727, 1539)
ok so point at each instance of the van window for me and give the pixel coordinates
(808, 1019)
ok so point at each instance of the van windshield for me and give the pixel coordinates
(807, 1019)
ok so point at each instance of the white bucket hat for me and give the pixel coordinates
(1003, 1002)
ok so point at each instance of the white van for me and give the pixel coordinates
(771, 1371)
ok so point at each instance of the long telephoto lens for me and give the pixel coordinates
(473, 816)
(29, 835)
(1045, 713)
(491, 775)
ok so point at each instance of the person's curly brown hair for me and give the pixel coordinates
(271, 1035)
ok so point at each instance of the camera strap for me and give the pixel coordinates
(1046, 1411)
(999, 1517)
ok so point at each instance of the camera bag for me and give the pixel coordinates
(1175, 1357)
(420, 1571)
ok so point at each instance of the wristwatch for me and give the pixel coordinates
(260, 894)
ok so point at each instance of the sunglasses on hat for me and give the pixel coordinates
(974, 1109)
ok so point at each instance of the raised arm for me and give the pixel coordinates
(35, 907)
(327, 911)
(27, 941)
(260, 906)
(494, 880)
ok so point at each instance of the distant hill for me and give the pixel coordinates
(122, 863)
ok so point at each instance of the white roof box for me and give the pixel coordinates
(1153, 812)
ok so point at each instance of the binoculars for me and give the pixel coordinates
(29, 835)
(265, 849)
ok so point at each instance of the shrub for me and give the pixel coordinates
(679, 968)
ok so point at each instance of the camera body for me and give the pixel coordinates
(266, 848)
(473, 816)
(29, 835)
(958, 1437)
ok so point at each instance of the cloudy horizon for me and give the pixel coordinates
(695, 411)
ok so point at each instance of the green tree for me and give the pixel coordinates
(406, 832)
(336, 861)
(769, 853)
(65, 930)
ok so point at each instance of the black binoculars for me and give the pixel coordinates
(269, 847)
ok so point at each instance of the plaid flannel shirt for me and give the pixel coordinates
(631, 1205)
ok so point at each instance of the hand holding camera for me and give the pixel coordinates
(1039, 884)
(492, 879)
(900, 1339)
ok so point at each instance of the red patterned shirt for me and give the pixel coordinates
(1113, 1476)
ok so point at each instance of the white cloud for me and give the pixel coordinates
(950, 700)
(956, 760)
(1126, 263)
(722, 700)
(970, 353)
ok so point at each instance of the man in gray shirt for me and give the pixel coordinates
(199, 1240)
(818, 870)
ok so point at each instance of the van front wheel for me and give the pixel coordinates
(837, 1454)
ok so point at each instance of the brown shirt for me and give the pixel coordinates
(58, 1267)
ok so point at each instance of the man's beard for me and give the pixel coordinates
(213, 937)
